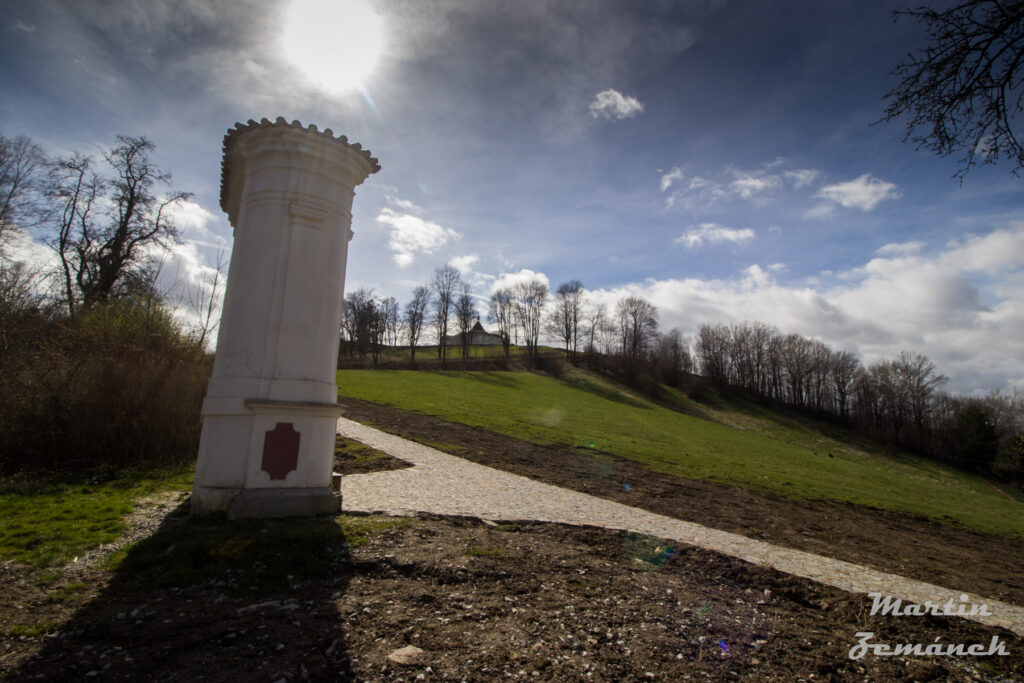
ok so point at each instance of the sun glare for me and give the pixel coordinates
(335, 43)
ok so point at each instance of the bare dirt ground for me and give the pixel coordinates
(484, 603)
(479, 601)
(908, 545)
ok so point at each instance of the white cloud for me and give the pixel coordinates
(712, 233)
(36, 256)
(671, 177)
(991, 254)
(187, 283)
(523, 275)
(951, 306)
(464, 264)
(614, 106)
(901, 249)
(864, 192)
(731, 183)
(412, 235)
(802, 177)
(196, 224)
(820, 211)
(749, 185)
(405, 205)
(699, 192)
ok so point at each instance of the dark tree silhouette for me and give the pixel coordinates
(502, 312)
(446, 281)
(962, 92)
(103, 227)
(465, 315)
(564, 322)
(416, 317)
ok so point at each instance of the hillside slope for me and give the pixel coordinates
(753, 448)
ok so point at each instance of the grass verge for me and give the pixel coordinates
(49, 521)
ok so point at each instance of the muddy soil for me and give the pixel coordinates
(485, 602)
(913, 546)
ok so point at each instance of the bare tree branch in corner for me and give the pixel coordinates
(963, 92)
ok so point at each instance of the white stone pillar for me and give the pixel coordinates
(270, 414)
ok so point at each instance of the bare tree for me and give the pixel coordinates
(596, 324)
(465, 316)
(749, 355)
(359, 317)
(347, 344)
(72, 189)
(377, 325)
(502, 313)
(920, 379)
(798, 361)
(564, 322)
(891, 396)
(446, 281)
(673, 357)
(21, 165)
(415, 317)
(638, 323)
(107, 251)
(391, 319)
(203, 298)
(962, 92)
(529, 298)
(842, 371)
(713, 352)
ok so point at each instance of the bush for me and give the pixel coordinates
(552, 364)
(119, 385)
(1008, 464)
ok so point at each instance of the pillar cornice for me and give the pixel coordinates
(278, 143)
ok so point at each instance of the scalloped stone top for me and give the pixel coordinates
(280, 122)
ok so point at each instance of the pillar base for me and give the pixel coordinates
(266, 503)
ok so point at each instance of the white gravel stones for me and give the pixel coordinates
(443, 484)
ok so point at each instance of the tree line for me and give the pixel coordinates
(440, 310)
(899, 401)
(523, 312)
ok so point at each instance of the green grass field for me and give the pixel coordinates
(49, 522)
(730, 443)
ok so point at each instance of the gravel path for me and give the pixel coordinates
(443, 484)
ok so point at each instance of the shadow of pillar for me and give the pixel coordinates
(213, 600)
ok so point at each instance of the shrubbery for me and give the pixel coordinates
(120, 384)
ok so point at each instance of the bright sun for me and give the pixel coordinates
(335, 43)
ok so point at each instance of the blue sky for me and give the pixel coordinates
(716, 157)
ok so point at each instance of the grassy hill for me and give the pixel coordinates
(729, 442)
